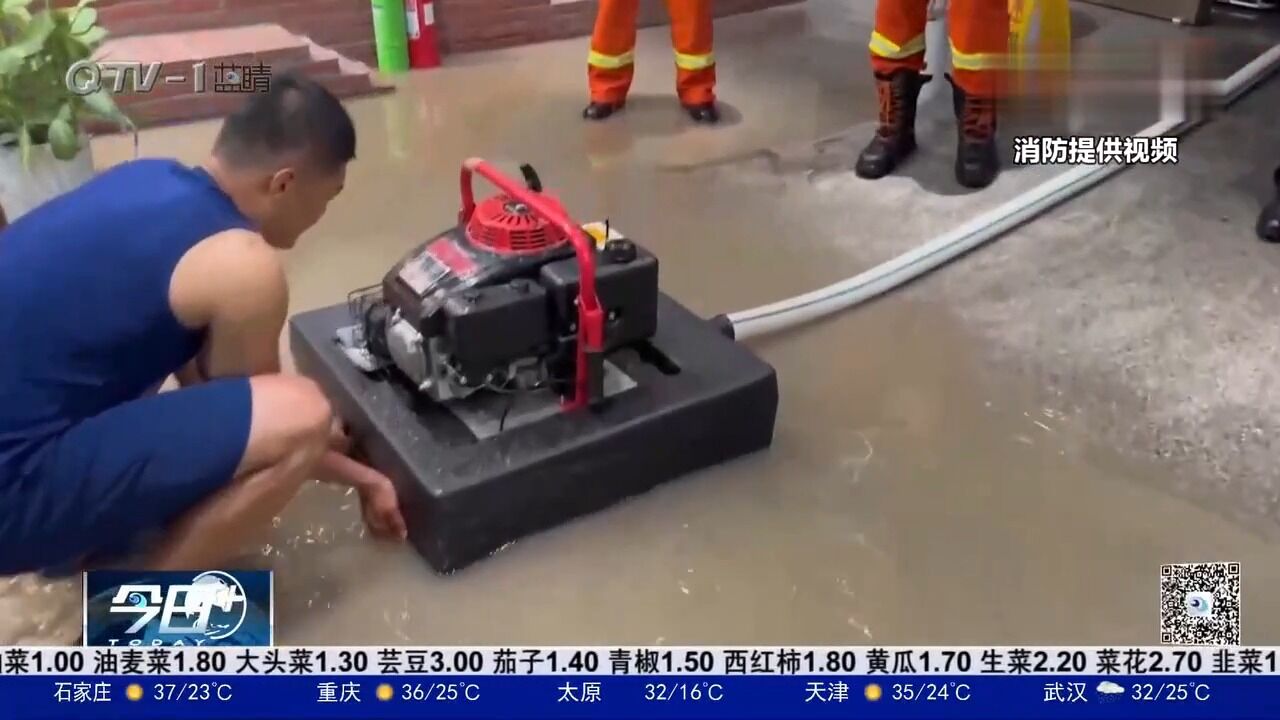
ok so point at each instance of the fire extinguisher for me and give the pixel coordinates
(420, 17)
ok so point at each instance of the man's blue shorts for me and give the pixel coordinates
(132, 470)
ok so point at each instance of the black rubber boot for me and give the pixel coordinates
(895, 137)
(600, 110)
(704, 113)
(977, 158)
(1269, 220)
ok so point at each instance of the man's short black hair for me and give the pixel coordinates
(296, 115)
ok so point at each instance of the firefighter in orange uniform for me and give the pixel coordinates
(979, 47)
(611, 63)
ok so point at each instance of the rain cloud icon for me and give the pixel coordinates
(1106, 687)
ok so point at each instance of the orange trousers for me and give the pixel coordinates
(611, 64)
(979, 40)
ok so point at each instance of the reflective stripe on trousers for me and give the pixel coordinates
(977, 61)
(611, 62)
(882, 46)
(695, 62)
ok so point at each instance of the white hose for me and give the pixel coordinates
(1247, 77)
(990, 225)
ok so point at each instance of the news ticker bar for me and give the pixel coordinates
(683, 661)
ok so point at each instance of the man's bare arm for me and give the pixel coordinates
(234, 286)
(244, 337)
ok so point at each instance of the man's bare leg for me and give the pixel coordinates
(289, 433)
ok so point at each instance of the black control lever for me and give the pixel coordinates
(531, 179)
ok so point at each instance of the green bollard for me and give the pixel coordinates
(390, 34)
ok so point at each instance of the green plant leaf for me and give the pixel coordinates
(24, 145)
(101, 103)
(19, 15)
(84, 20)
(92, 37)
(36, 106)
(10, 62)
(63, 141)
(34, 35)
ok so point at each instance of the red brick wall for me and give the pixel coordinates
(347, 25)
(467, 25)
(343, 25)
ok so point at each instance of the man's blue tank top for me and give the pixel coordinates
(85, 320)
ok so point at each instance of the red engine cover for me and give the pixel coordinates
(504, 225)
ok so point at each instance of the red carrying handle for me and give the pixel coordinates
(590, 314)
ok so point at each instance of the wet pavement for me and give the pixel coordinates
(930, 481)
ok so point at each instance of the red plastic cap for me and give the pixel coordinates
(507, 226)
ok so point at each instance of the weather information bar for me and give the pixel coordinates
(660, 682)
(662, 696)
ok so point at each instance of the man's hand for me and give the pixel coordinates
(378, 501)
(381, 510)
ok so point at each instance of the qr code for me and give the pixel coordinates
(1200, 604)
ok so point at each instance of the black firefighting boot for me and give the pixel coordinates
(977, 158)
(600, 110)
(895, 137)
(706, 113)
(1269, 220)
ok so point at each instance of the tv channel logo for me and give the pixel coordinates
(210, 608)
(1199, 604)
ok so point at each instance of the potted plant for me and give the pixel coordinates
(43, 150)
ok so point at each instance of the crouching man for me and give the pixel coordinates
(156, 269)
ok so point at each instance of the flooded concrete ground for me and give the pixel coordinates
(982, 458)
